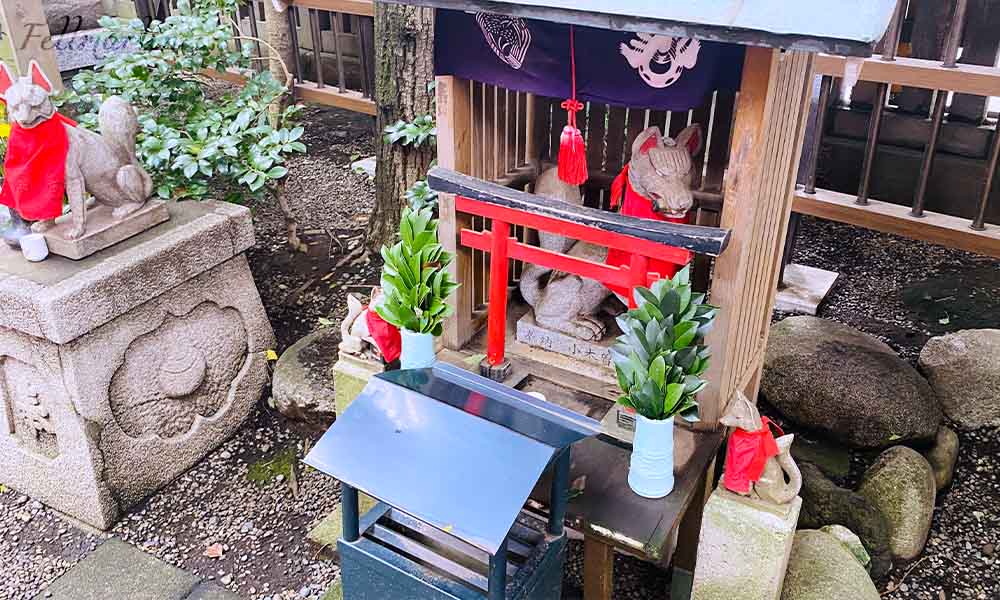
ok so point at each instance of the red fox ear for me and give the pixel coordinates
(6, 79)
(38, 77)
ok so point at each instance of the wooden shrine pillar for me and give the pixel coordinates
(27, 32)
(454, 137)
(767, 142)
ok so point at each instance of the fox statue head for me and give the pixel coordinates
(661, 169)
(28, 98)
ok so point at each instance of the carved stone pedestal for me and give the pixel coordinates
(120, 371)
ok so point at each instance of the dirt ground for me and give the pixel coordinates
(251, 496)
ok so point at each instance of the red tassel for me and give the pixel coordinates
(572, 156)
(572, 150)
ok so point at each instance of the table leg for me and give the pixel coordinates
(686, 554)
(598, 570)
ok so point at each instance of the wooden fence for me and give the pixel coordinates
(335, 62)
(915, 152)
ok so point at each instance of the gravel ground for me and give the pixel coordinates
(244, 498)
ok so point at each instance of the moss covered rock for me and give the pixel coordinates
(837, 380)
(825, 503)
(900, 484)
(822, 568)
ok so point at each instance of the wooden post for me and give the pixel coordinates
(498, 294)
(598, 570)
(28, 30)
(454, 122)
(764, 157)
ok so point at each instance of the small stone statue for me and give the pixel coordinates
(757, 464)
(365, 334)
(659, 182)
(50, 156)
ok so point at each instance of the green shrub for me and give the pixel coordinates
(660, 356)
(415, 277)
(193, 141)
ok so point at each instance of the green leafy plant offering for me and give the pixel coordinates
(661, 356)
(415, 278)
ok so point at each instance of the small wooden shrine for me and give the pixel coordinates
(504, 72)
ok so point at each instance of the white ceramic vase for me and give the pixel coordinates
(651, 471)
(417, 351)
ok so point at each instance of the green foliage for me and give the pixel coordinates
(421, 196)
(660, 357)
(192, 141)
(413, 133)
(415, 277)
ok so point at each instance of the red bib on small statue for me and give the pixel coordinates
(35, 169)
(634, 205)
(386, 336)
(747, 455)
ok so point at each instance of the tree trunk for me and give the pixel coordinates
(404, 58)
(281, 63)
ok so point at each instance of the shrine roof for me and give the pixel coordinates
(843, 27)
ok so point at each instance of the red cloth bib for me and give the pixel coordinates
(35, 169)
(634, 205)
(386, 336)
(747, 454)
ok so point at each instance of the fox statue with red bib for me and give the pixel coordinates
(656, 184)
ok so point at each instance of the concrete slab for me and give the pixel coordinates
(210, 591)
(805, 288)
(116, 571)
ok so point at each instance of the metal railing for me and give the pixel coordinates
(931, 102)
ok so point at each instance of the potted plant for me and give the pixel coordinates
(659, 359)
(416, 284)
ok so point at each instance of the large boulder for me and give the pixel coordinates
(302, 387)
(835, 379)
(900, 484)
(824, 503)
(943, 457)
(821, 567)
(964, 370)
(69, 16)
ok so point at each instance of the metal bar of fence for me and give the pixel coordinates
(949, 60)
(338, 26)
(927, 166)
(889, 52)
(294, 20)
(317, 45)
(254, 29)
(979, 224)
(954, 40)
(825, 86)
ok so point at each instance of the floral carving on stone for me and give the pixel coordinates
(27, 413)
(180, 371)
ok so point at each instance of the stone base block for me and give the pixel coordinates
(350, 376)
(744, 548)
(532, 334)
(103, 229)
(805, 289)
(121, 371)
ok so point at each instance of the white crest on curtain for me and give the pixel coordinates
(661, 59)
(509, 37)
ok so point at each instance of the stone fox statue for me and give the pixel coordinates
(105, 165)
(659, 178)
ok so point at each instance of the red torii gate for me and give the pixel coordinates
(644, 239)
